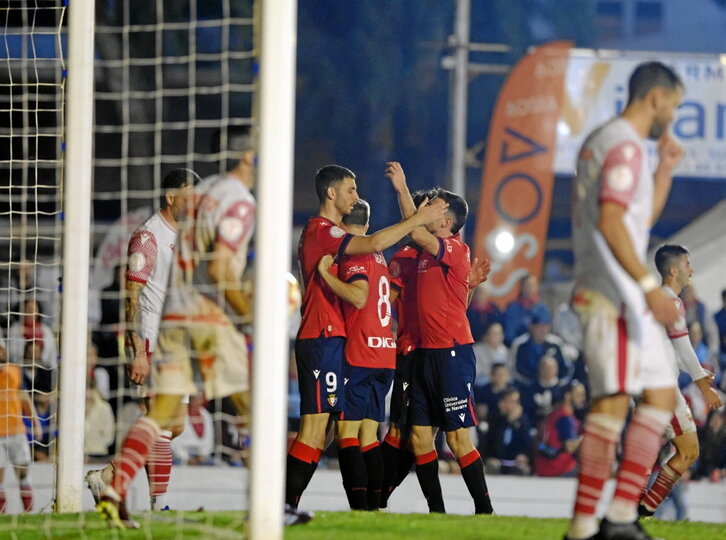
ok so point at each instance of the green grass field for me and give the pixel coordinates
(326, 525)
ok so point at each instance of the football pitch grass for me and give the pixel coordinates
(325, 525)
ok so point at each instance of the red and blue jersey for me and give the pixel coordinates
(321, 313)
(442, 291)
(403, 269)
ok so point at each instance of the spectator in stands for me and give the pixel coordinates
(566, 324)
(489, 351)
(558, 438)
(695, 334)
(518, 315)
(695, 309)
(31, 342)
(487, 397)
(508, 439)
(712, 440)
(196, 443)
(41, 441)
(528, 348)
(540, 396)
(580, 403)
(720, 320)
(482, 312)
(99, 425)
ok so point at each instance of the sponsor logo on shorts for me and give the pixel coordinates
(316, 372)
(461, 417)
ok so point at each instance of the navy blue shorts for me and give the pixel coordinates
(401, 393)
(320, 374)
(443, 385)
(365, 392)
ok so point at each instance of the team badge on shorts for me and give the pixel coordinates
(332, 399)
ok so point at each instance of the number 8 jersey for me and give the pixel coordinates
(369, 340)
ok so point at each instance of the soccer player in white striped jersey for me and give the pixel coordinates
(616, 200)
(150, 257)
(674, 266)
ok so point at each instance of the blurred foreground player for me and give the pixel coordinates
(620, 304)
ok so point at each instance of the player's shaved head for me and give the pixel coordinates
(667, 257)
(329, 176)
(650, 75)
(359, 215)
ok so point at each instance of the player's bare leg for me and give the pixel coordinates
(472, 468)
(352, 464)
(163, 414)
(304, 455)
(687, 451)
(427, 467)
(373, 457)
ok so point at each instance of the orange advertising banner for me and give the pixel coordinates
(518, 174)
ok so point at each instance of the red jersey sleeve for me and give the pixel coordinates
(332, 239)
(620, 173)
(141, 256)
(236, 224)
(353, 269)
(454, 254)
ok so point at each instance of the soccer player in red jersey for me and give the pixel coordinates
(321, 336)
(363, 283)
(444, 375)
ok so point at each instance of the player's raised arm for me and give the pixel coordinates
(385, 238)
(394, 171)
(355, 292)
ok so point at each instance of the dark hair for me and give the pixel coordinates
(176, 179)
(329, 176)
(458, 209)
(667, 257)
(359, 214)
(650, 75)
(239, 139)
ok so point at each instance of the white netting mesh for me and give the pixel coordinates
(32, 85)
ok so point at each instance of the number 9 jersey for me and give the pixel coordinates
(369, 340)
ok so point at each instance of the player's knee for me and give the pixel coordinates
(421, 441)
(459, 441)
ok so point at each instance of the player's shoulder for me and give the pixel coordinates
(322, 225)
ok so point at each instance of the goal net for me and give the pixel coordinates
(170, 78)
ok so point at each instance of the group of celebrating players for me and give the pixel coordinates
(348, 357)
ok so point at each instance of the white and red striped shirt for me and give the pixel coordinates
(150, 254)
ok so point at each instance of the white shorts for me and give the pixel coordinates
(625, 353)
(14, 450)
(682, 421)
(214, 353)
